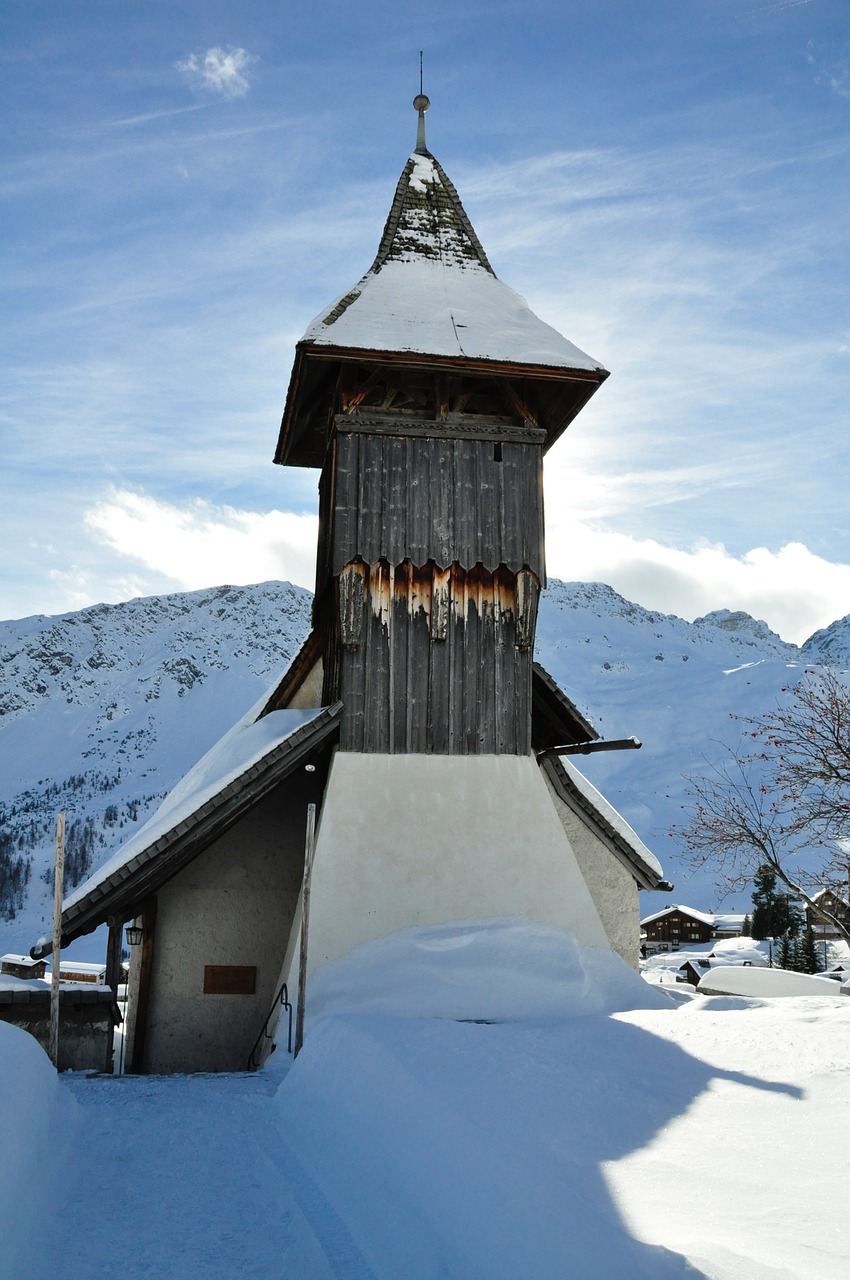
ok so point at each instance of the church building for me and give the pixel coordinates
(414, 717)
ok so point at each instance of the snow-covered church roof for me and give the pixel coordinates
(252, 757)
(431, 289)
(431, 299)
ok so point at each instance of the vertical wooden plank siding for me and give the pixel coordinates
(433, 555)
(446, 500)
(405, 691)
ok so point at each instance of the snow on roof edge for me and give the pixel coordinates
(242, 747)
(611, 816)
(431, 308)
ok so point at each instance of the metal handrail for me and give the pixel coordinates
(282, 998)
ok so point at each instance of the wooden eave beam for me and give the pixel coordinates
(313, 355)
(520, 406)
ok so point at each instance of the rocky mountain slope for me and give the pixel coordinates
(103, 710)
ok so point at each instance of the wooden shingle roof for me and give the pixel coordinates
(431, 300)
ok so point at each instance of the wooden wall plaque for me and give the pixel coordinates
(230, 979)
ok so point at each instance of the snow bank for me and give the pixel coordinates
(35, 1112)
(732, 980)
(494, 971)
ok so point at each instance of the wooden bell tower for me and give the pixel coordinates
(427, 395)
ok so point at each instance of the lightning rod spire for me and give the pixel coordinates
(421, 104)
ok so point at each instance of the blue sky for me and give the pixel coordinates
(185, 185)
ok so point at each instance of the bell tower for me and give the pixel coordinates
(428, 394)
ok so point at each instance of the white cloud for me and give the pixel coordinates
(794, 590)
(201, 545)
(222, 71)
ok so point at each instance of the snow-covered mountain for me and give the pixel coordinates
(103, 710)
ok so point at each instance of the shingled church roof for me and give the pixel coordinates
(431, 289)
(431, 301)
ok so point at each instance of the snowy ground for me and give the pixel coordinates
(626, 1136)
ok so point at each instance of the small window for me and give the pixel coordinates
(497, 451)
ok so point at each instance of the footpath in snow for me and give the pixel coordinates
(178, 1177)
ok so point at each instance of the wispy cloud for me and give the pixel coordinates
(222, 71)
(831, 67)
(147, 116)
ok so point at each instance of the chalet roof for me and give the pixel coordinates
(244, 766)
(700, 916)
(580, 795)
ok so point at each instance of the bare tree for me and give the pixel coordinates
(782, 799)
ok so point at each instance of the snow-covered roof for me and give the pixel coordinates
(727, 920)
(611, 816)
(11, 958)
(432, 291)
(575, 790)
(758, 983)
(246, 753)
(431, 300)
(701, 916)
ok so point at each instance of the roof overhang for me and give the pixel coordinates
(120, 894)
(313, 388)
(555, 718)
(626, 851)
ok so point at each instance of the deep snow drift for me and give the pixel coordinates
(701, 1137)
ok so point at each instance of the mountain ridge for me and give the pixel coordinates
(102, 710)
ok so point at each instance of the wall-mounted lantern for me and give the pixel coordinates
(134, 934)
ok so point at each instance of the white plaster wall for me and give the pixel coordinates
(232, 906)
(611, 885)
(414, 840)
(309, 692)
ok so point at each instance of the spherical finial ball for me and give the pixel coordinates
(421, 103)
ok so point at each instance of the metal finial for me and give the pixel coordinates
(421, 104)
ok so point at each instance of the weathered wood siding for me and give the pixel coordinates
(447, 500)
(433, 661)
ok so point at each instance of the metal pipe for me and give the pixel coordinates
(588, 748)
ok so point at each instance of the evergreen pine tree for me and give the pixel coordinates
(774, 913)
(783, 959)
(796, 958)
(764, 893)
(808, 953)
(747, 927)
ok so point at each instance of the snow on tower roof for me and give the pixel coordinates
(432, 291)
(432, 303)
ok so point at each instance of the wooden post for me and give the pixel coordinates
(113, 979)
(140, 1017)
(58, 883)
(305, 921)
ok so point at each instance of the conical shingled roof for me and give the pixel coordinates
(427, 220)
(431, 290)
